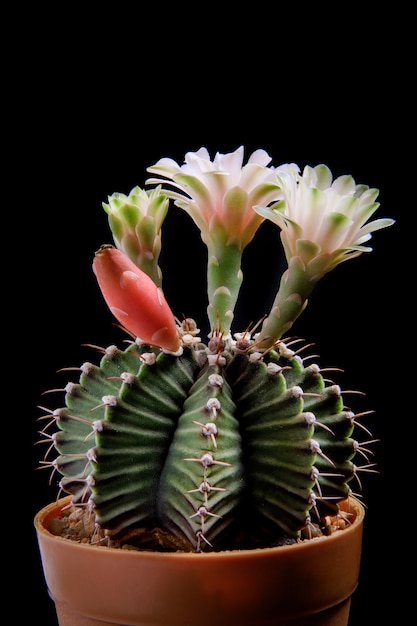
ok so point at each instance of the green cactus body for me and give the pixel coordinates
(227, 450)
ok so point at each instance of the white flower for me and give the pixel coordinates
(321, 218)
(219, 195)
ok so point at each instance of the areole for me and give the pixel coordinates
(309, 583)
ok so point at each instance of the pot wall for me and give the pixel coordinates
(93, 585)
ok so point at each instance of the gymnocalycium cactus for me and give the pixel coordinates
(234, 442)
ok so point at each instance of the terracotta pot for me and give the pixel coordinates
(304, 584)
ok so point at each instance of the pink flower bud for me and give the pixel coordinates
(134, 299)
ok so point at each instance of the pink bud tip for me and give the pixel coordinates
(134, 299)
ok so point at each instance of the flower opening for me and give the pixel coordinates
(322, 217)
(219, 194)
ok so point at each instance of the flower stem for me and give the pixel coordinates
(290, 301)
(224, 279)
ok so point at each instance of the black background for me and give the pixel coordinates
(93, 105)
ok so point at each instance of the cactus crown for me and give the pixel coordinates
(178, 443)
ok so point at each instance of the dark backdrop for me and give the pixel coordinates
(88, 123)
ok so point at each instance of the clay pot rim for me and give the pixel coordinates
(49, 512)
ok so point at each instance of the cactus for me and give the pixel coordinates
(236, 442)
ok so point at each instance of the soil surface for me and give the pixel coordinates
(78, 524)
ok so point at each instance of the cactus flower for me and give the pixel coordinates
(219, 196)
(134, 299)
(323, 223)
(322, 218)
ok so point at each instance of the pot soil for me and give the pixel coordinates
(308, 583)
